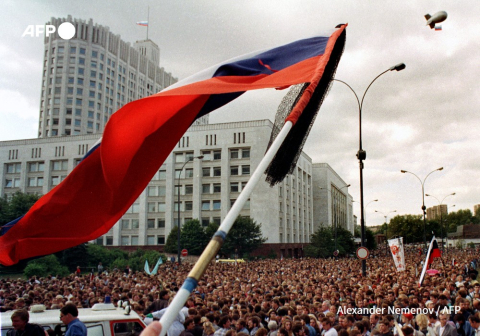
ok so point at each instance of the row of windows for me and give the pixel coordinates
(12, 168)
(235, 153)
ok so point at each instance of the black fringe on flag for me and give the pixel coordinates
(287, 156)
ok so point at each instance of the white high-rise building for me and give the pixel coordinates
(89, 77)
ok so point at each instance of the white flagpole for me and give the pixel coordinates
(211, 250)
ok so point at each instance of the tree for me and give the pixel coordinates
(42, 267)
(210, 230)
(193, 237)
(17, 206)
(322, 244)
(74, 256)
(370, 242)
(345, 242)
(171, 243)
(410, 227)
(245, 236)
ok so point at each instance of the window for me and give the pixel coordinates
(217, 220)
(161, 207)
(205, 188)
(150, 241)
(188, 156)
(217, 187)
(162, 174)
(217, 204)
(217, 171)
(205, 205)
(245, 170)
(152, 191)
(109, 240)
(207, 155)
(233, 153)
(161, 223)
(162, 190)
(188, 205)
(177, 207)
(35, 167)
(125, 224)
(179, 158)
(205, 222)
(234, 170)
(206, 171)
(150, 223)
(188, 189)
(134, 240)
(161, 240)
(217, 155)
(14, 168)
(151, 206)
(125, 241)
(135, 224)
(234, 187)
(59, 165)
(245, 153)
(189, 173)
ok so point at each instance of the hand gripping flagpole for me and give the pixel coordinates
(219, 237)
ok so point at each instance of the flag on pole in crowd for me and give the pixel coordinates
(433, 252)
(155, 269)
(396, 247)
(139, 137)
(143, 23)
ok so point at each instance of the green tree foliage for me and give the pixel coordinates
(460, 217)
(48, 265)
(323, 243)
(245, 236)
(210, 230)
(17, 206)
(74, 256)
(345, 243)
(193, 237)
(171, 243)
(97, 253)
(136, 260)
(370, 242)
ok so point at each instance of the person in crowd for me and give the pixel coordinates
(21, 327)
(69, 317)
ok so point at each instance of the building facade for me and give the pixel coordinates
(333, 204)
(208, 186)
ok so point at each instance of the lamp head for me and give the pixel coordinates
(376, 200)
(441, 168)
(427, 194)
(403, 171)
(200, 157)
(398, 67)
(453, 194)
(348, 185)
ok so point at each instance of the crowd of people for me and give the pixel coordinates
(290, 297)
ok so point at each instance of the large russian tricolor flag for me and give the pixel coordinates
(139, 137)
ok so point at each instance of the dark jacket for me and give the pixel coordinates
(156, 306)
(30, 330)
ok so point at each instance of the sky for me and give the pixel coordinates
(418, 119)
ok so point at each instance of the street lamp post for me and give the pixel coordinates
(424, 209)
(362, 154)
(386, 228)
(177, 187)
(440, 203)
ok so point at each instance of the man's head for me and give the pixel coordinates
(224, 322)
(407, 331)
(68, 313)
(326, 323)
(189, 324)
(474, 321)
(164, 295)
(20, 319)
(443, 319)
(383, 326)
